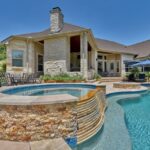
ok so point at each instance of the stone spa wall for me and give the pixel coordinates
(90, 114)
(77, 120)
(32, 123)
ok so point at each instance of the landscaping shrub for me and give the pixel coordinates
(2, 52)
(63, 77)
(148, 76)
(135, 71)
(97, 76)
(3, 66)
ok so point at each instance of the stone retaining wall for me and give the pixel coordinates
(73, 120)
(127, 85)
(32, 123)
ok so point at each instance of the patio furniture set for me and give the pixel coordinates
(8, 79)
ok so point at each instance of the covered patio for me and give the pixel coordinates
(109, 65)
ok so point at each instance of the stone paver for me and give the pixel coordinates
(6, 145)
(56, 144)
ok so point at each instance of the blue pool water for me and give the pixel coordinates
(77, 90)
(137, 118)
(127, 124)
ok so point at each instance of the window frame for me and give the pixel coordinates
(17, 50)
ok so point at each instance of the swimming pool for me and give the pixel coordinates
(127, 123)
(77, 90)
(137, 118)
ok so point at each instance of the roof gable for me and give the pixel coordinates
(111, 46)
(142, 49)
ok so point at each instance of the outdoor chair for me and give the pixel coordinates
(13, 79)
(3, 79)
(24, 78)
(32, 78)
(6, 79)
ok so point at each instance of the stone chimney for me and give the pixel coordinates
(56, 18)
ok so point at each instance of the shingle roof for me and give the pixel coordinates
(111, 46)
(142, 49)
(66, 28)
(106, 45)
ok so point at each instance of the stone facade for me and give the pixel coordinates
(84, 55)
(30, 51)
(55, 67)
(55, 55)
(32, 123)
(56, 18)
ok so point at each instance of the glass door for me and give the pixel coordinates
(100, 67)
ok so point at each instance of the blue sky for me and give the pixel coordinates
(124, 21)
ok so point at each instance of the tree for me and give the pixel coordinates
(2, 52)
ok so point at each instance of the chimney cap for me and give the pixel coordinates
(55, 9)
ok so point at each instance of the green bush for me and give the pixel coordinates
(135, 71)
(3, 66)
(97, 76)
(148, 76)
(2, 52)
(63, 77)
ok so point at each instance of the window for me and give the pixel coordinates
(100, 57)
(40, 63)
(112, 66)
(17, 58)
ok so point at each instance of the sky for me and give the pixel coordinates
(123, 21)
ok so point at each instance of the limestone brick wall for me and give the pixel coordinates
(30, 49)
(56, 18)
(32, 123)
(55, 58)
(84, 55)
(16, 45)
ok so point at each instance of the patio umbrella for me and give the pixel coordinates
(144, 63)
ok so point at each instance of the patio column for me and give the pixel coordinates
(84, 55)
(9, 58)
(30, 57)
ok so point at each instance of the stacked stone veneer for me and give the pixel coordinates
(81, 119)
(31, 123)
(55, 67)
(127, 85)
(90, 114)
